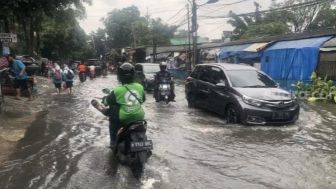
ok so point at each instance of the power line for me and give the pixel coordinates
(227, 4)
(306, 4)
(221, 6)
(183, 8)
(179, 19)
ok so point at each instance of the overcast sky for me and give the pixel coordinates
(166, 9)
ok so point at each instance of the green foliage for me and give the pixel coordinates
(127, 28)
(278, 22)
(47, 27)
(319, 89)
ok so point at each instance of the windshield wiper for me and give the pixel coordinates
(256, 86)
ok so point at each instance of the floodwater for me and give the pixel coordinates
(67, 147)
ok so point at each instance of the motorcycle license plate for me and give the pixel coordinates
(141, 146)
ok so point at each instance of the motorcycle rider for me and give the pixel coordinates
(163, 74)
(124, 102)
(82, 68)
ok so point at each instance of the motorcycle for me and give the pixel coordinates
(82, 77)
(164, 91)
(132, 148)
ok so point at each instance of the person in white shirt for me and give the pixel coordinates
(92, 69)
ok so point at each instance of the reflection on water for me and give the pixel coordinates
(66, 147)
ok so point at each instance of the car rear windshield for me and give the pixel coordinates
(151, 69)
(250, 79)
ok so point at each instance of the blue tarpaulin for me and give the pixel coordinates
(292, 60)
(237, 51)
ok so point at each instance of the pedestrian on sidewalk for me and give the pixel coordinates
(21, 78)
(57, 78)
(68, 76)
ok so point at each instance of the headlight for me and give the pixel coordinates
(251, 101)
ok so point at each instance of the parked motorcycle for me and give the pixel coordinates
(133, 148)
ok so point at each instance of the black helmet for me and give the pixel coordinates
(163, 66)
(126, 73)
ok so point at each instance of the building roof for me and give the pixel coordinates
(260, 40)
(185, 41)
(330, 43)
(298, 44)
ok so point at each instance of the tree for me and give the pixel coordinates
(302, 17)
(63, 38)
(284, 18)
(127, 28)
(326, 19)
(182, 33)
(27, 18)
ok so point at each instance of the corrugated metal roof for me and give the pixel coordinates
(255, 47)
(330, 43)
(328, 49)
(234, 48)
(185, 41)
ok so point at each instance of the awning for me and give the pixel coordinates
(299, 44)
(246, 51)
(292, 60)
(229, 51)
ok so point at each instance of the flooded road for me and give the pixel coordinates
(66, 147)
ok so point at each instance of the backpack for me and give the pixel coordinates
(58, 75)
(70, 74)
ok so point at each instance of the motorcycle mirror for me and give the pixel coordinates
(106, 91)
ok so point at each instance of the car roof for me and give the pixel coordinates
(230, 66)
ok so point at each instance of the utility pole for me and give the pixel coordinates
(134, 37)
(154, 42)
(194, 31)
(94, 43)
(195, 28)
(189, 45)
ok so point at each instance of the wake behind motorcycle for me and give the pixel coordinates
(133, 148)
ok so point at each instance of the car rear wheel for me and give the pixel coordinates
(191, 101)
(232, 115)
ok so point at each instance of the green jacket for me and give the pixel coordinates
(130, 107)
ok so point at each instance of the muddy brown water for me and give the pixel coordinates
(66, 147)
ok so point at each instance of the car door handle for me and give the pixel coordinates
(206, 91)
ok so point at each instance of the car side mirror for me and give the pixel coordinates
(221, 86)
(106, 91)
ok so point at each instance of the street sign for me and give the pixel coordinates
(5, 35)
(6, 40)
(14, 38)
(8, 37)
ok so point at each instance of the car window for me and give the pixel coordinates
(216, 75)
(204, 74)
(195, 74)
(250, 79)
